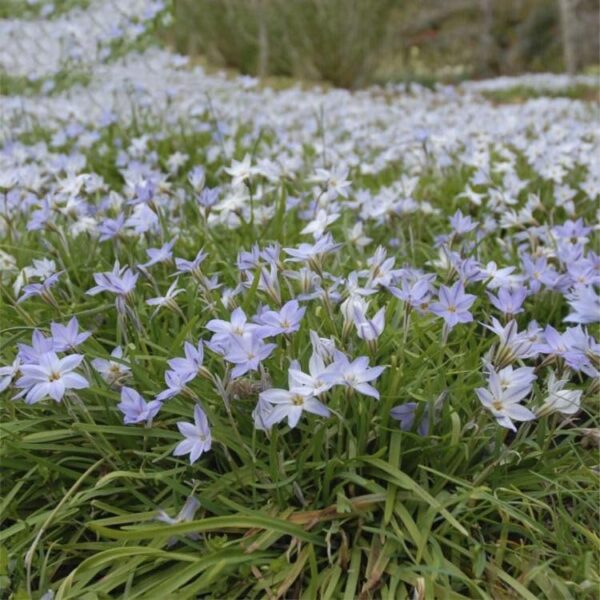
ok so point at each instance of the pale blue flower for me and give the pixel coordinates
(197, 436)
(135, 409)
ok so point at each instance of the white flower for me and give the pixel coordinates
(357, 237)
(354, 308)
(167, 300)
(334, 182)
(111, 371)
(8, 265)
(8, 180)
(498, 278)
(40, 268)
(507, 388)
(176, 161)
(318, 225)
(290, 404)
(83, 225)
(566, 402)
(311, 381)
(369, 329)
(240, 171)
(7, 374)
(185, 514)
(52, 376)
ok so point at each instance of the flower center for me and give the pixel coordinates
(54, 376)
(297, 400)
(451, 308)
(497, 404)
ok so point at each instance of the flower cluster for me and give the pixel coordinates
(271, 268)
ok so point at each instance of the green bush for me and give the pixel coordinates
(333, 40)
(341, 41)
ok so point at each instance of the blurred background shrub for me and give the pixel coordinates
(340, 41)
(350, 43)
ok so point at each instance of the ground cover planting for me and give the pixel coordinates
(290, 343)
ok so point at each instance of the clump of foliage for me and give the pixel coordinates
(331, 40)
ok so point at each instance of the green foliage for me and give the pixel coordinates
(341, 41)
(332, 40)
(22, 9)
(523, 93)
(354, 42)
(11, 85)
(539, 36)
(227, 31)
